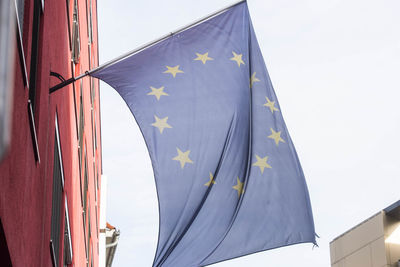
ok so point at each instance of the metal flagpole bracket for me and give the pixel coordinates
(61, 85)
(57, 75)
(65, 82)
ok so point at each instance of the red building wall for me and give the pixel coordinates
(26, 171)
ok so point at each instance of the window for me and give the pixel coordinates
(81, 120)
(85, 201)
(92, 265)
(97, 179)
(95, 131)
(37, 10)
(76, 43)
(81, 131)
(84, 232)
(58, 183)
(69, 25)
(90, 23)
(89, 56)
(89, 233)
(94, 182)
(75, 108)
(94, 88)
(93, 137)
(81, 183)
(57, 145)
(85, 187)
(97, 223)
(19, 12)
(67, 238)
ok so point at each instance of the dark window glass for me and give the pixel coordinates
(89, 232)
(75, 109)
(90, 23)
(84, 232)
(89, 56)
(81, 118)
(94, 89)
(85, 188)
(56, 203)
(37, 10)
(91, 262)
(67, 239)
(97, 179)
(95, 131)
(69, 25)
(85, 202)
(92, 126)
(76, 43)
(94, 182)
(97, 224)
(80, 136)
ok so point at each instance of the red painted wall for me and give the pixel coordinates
(25, 183)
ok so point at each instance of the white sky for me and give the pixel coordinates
(335, 67)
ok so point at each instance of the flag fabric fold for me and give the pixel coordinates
(228, 178)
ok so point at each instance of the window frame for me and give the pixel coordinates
(33, 131)
(56, 219)
(67, 2)
(76, 40)
(57, 129)
(89, 20)
(38, 9)
(20, 43)
(67, 235)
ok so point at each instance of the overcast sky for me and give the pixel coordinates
(335, 67)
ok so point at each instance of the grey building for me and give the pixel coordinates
(373, 243)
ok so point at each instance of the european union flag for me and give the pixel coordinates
(228, 178)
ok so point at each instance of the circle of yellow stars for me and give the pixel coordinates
(184, 157)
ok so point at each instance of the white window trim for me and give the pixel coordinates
(67, 226)
(59, 150)
(21, 47)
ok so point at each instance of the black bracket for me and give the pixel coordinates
(63, 83)
(57, 75)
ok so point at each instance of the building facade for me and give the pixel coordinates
(373, 243)
(50, 153)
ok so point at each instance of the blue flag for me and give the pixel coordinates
(228, 178)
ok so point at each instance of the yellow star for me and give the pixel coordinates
(173, 70)
(239, 187)
(276, 136)
(211, 180)
(271, 105)
(161, 124)
(262, 163)
(183, 157)
(157, 92)
(253, 79)
(203, 57)
(237, 58)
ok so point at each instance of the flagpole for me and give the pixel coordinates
(149, 44)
